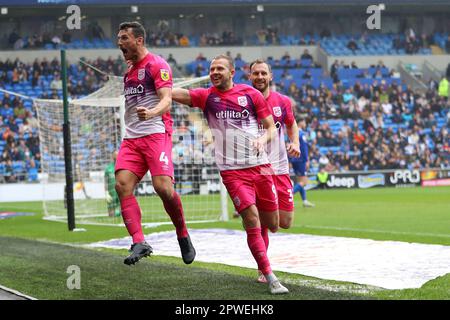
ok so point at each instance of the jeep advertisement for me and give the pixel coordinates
(395, 178)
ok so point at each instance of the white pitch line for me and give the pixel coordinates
(17, 293)
(380, 231)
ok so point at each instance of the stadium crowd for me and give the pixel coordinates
(20, 157)
(374, 126)
(378, 124)
(161, 35)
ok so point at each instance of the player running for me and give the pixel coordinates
(300, 164)
(147, 144)
(280, 106)
(233, 111)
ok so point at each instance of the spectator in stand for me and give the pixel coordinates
(199, 70)
(184, 41)
(325, 33)
(9, 174)
(171, 60)
(286, 56)
(306, 55)
(307, 75)
(56, 41)
(19, 111)
(203, 42)
(353, 65)
(200, 57)
(286, 75)
(272, 35)
(56, 83)
(352, 45)
(333, 71)
(443, 89)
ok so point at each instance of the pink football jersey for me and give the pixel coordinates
(233, 118)
(141, 83)
(282, 113)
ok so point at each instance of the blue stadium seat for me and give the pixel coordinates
(32, 174)
(18, 167)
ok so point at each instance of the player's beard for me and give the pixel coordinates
(221, 83)
(261, 86)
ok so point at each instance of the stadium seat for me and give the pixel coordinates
(18, 167)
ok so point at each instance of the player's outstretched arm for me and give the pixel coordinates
(182, 96)
(293, 147)
(163, 106)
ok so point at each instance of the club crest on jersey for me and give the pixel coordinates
(141, 74)
(277, 111)
(242, 101)
(164, 74)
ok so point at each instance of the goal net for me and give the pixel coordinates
(96, 125)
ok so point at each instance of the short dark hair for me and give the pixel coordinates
(260, 61)
(303, 118)
(137, 29)
(226, 57)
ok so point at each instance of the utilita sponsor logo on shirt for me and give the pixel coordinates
(131, 91)
(277, 125)
(231, 114)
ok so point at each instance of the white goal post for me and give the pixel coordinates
(97, 129)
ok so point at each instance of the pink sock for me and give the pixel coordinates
(265, 236)
(131, 214)
(174, 209)
(257, 247)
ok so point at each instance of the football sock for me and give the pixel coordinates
(131, 214)
(302, 192)
(174, 209)
(265, 236)
(258, 249)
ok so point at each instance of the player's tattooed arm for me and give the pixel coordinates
(182, 96)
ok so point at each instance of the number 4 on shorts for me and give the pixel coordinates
(163, 158)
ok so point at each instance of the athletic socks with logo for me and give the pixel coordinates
(258, 249)
(131, 214)
(174, 209)
(265, 236)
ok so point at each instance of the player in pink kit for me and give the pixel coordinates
(233, 112)
(280, 106)
(147, 144)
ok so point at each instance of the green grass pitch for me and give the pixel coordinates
(35, 254)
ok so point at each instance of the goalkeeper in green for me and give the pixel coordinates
(112, 199)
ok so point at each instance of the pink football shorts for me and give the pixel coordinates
(250, 186)
(152, 152)
(283, 184)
